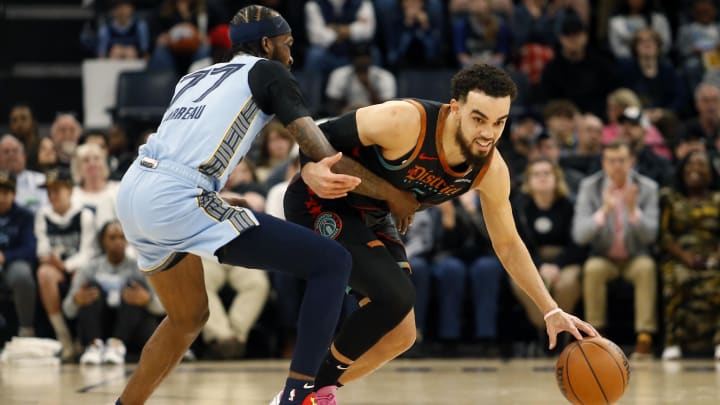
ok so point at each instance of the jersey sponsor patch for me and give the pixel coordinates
(328, 224)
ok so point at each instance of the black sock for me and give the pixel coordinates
(330, 371)
(118, 402)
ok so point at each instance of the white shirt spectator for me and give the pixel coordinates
(29, 194)
(102, 203)
(71, 236)
(622, 28)
(345, 86)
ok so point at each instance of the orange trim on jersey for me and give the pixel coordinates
(484, 170)
(421, 137)
(442, 116)
(375, 243)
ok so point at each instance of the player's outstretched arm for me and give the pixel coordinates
(495, 192)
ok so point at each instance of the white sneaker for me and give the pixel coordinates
(672, 353)
(114, 352)
(717, 352)
(93, 353)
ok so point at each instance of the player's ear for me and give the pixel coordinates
(454, 106)
(267, 47)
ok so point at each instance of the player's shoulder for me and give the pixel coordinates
(399, 109)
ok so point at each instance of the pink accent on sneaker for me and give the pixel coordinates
(326, 395)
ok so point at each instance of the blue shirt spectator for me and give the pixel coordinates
(123, 36)
(481, 36)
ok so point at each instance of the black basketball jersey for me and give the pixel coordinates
(424, 171)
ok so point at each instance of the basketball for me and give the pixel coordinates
(592, 371)
(184, 38)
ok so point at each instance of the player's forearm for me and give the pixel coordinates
(371, 185)
(518, 263)
(310, 139)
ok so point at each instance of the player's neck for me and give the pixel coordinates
(451, 149)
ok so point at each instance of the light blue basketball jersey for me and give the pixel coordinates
(212, 120)
(168, 199)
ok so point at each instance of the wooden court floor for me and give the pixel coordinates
(463, 382)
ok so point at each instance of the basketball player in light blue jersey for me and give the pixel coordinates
(172, 215)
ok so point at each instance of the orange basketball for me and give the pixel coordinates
(184, 38)
(592, 371)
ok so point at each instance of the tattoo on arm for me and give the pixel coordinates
(313, 144)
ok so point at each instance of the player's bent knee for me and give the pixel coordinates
(191, 322)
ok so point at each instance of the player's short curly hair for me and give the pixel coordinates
(246, 15)
(488, 79)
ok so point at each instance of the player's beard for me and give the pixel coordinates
(466, 150)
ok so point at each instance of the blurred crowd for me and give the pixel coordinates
(613, 147)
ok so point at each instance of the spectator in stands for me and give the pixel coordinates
(481, 36)
(542, 209)
(65, 235)
(632, 129)
(617, 216)
(690, 236)
(464, 252)
(183, 26)
(333, 26)
(619, 100)
(577, 73)
(243, 183)
(275, 146)
(412, 32)
(65, 133)
(532, 23)
(687, 143)
(586, 156)
(546, 147)
(47, 157)
(560, 117)
(420, 241)
(28, 193)
(533, 38)
(111, 300)
(652, 77)
(94, 190)
(699, 35)
(226, 331)
(633, 15)
(120, 156)
(123, 35)
(359, 84)
(24, 127)
(523, 132)
(707, 103)
(17, 254)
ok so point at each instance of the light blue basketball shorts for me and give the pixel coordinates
(166, 208)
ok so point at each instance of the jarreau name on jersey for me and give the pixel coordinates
(185, 113)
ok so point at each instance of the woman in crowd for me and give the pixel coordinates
(690, 263)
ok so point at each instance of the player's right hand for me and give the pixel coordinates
(324, 182)
(403, 207)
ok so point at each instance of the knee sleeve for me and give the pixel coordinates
(376, 275)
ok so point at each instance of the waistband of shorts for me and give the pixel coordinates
(177, 170)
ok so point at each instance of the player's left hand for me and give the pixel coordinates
(326, 184)
(562, 321)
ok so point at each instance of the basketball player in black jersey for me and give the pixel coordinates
(436, 151)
